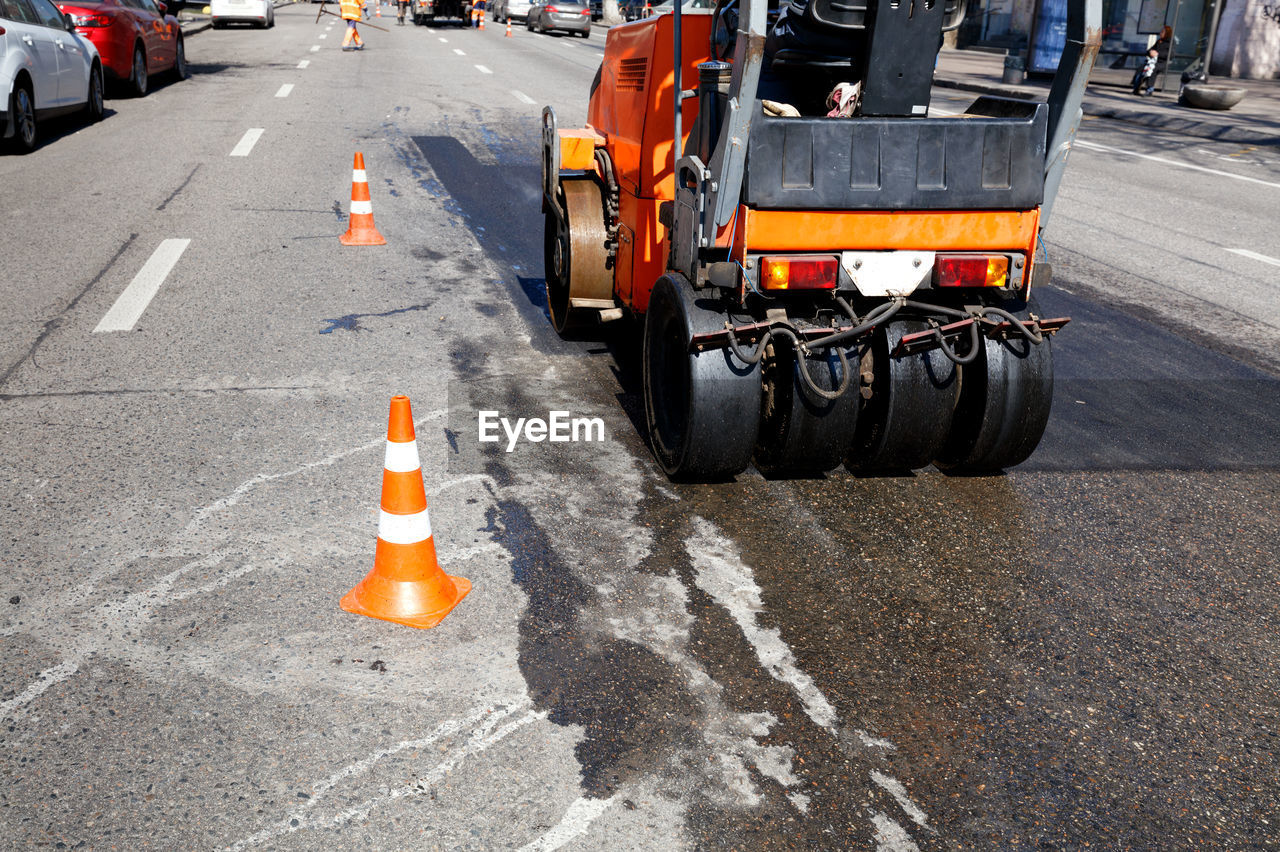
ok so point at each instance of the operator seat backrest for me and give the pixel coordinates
(836, 14)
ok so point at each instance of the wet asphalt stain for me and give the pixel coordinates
(501, 205)
(351, 322)
(1156, 401)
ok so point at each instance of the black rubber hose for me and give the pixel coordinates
(877, 315)
(951, 353)
(803, 371)
(748, 359)
(1033, 336)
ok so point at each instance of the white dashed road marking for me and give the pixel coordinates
(1253, 255)
(323, 35)
(135, 298)
(1093, 146)
(283, 91)
(247, 141)
(304, 63)
(460, 53)
(316, 47)
(483, 70)
(444, 40)
(521, 96)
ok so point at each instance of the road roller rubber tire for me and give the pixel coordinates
(907, 420)
(575, 257)
(702, 408)
(800, 432)
(1005, 397)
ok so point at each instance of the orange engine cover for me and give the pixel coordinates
(633, 107)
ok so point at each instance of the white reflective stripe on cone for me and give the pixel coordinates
(404, 529)
(401, 457)
(362, 207)
(357, 176)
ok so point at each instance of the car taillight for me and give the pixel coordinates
(799, 272)
(972, 270)
(552, 10)
(91, 20)
(586, 11)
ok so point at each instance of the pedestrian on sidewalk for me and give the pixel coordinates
(351, 10)
(1145, 77)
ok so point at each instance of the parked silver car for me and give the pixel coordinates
(547, 15)
(505, 10)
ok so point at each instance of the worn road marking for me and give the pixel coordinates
(323, 35)
(461, 53)
(575, 822)
(133, 301)
(304, 63)
(895, 788)
(444, 40)
(484, 70)
(1253, 255)
(314, 48)
(521, 96)
(247, 141)
(720, 573)
(295, 820)
(283, 91)
(891, 837)
(1093, 146)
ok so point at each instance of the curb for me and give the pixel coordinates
(1186, 126)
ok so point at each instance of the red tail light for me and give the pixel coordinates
(91, 20)
(799, 272)
(554, 11)
(972, 270)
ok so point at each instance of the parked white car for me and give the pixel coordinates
(46, 69)
(223, 12)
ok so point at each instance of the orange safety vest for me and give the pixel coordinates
(350, 10)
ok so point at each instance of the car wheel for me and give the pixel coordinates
(23, 110)
(93, 103)
(271, 18)
(138, 80)
(528, 24)
(180, 70)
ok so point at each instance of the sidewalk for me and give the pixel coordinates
(1254, 121)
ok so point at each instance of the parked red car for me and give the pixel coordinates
(135, 38)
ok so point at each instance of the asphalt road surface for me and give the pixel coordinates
(1080, 653)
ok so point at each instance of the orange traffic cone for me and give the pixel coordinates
(508, 28)
(361, 231)
(379, 9)
(406, 585)
(482, 21)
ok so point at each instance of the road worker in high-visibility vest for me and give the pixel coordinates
(351, 10)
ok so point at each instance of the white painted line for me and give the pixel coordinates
(720, 573)
(283, 91)
(444, 40)
(575, 822)
(895, 788)
(304, 63)
(323, 35)
(1253, 255)
(247, 141)
(484, 70)
(521, 96)
(133, 301)
(891, 837)
(460, 53)
(316, 47)
(1093, 146)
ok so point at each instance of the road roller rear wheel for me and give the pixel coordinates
(1004, 404)
(801, 432)
(578, 281)
(907, 420)
(702, 408)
